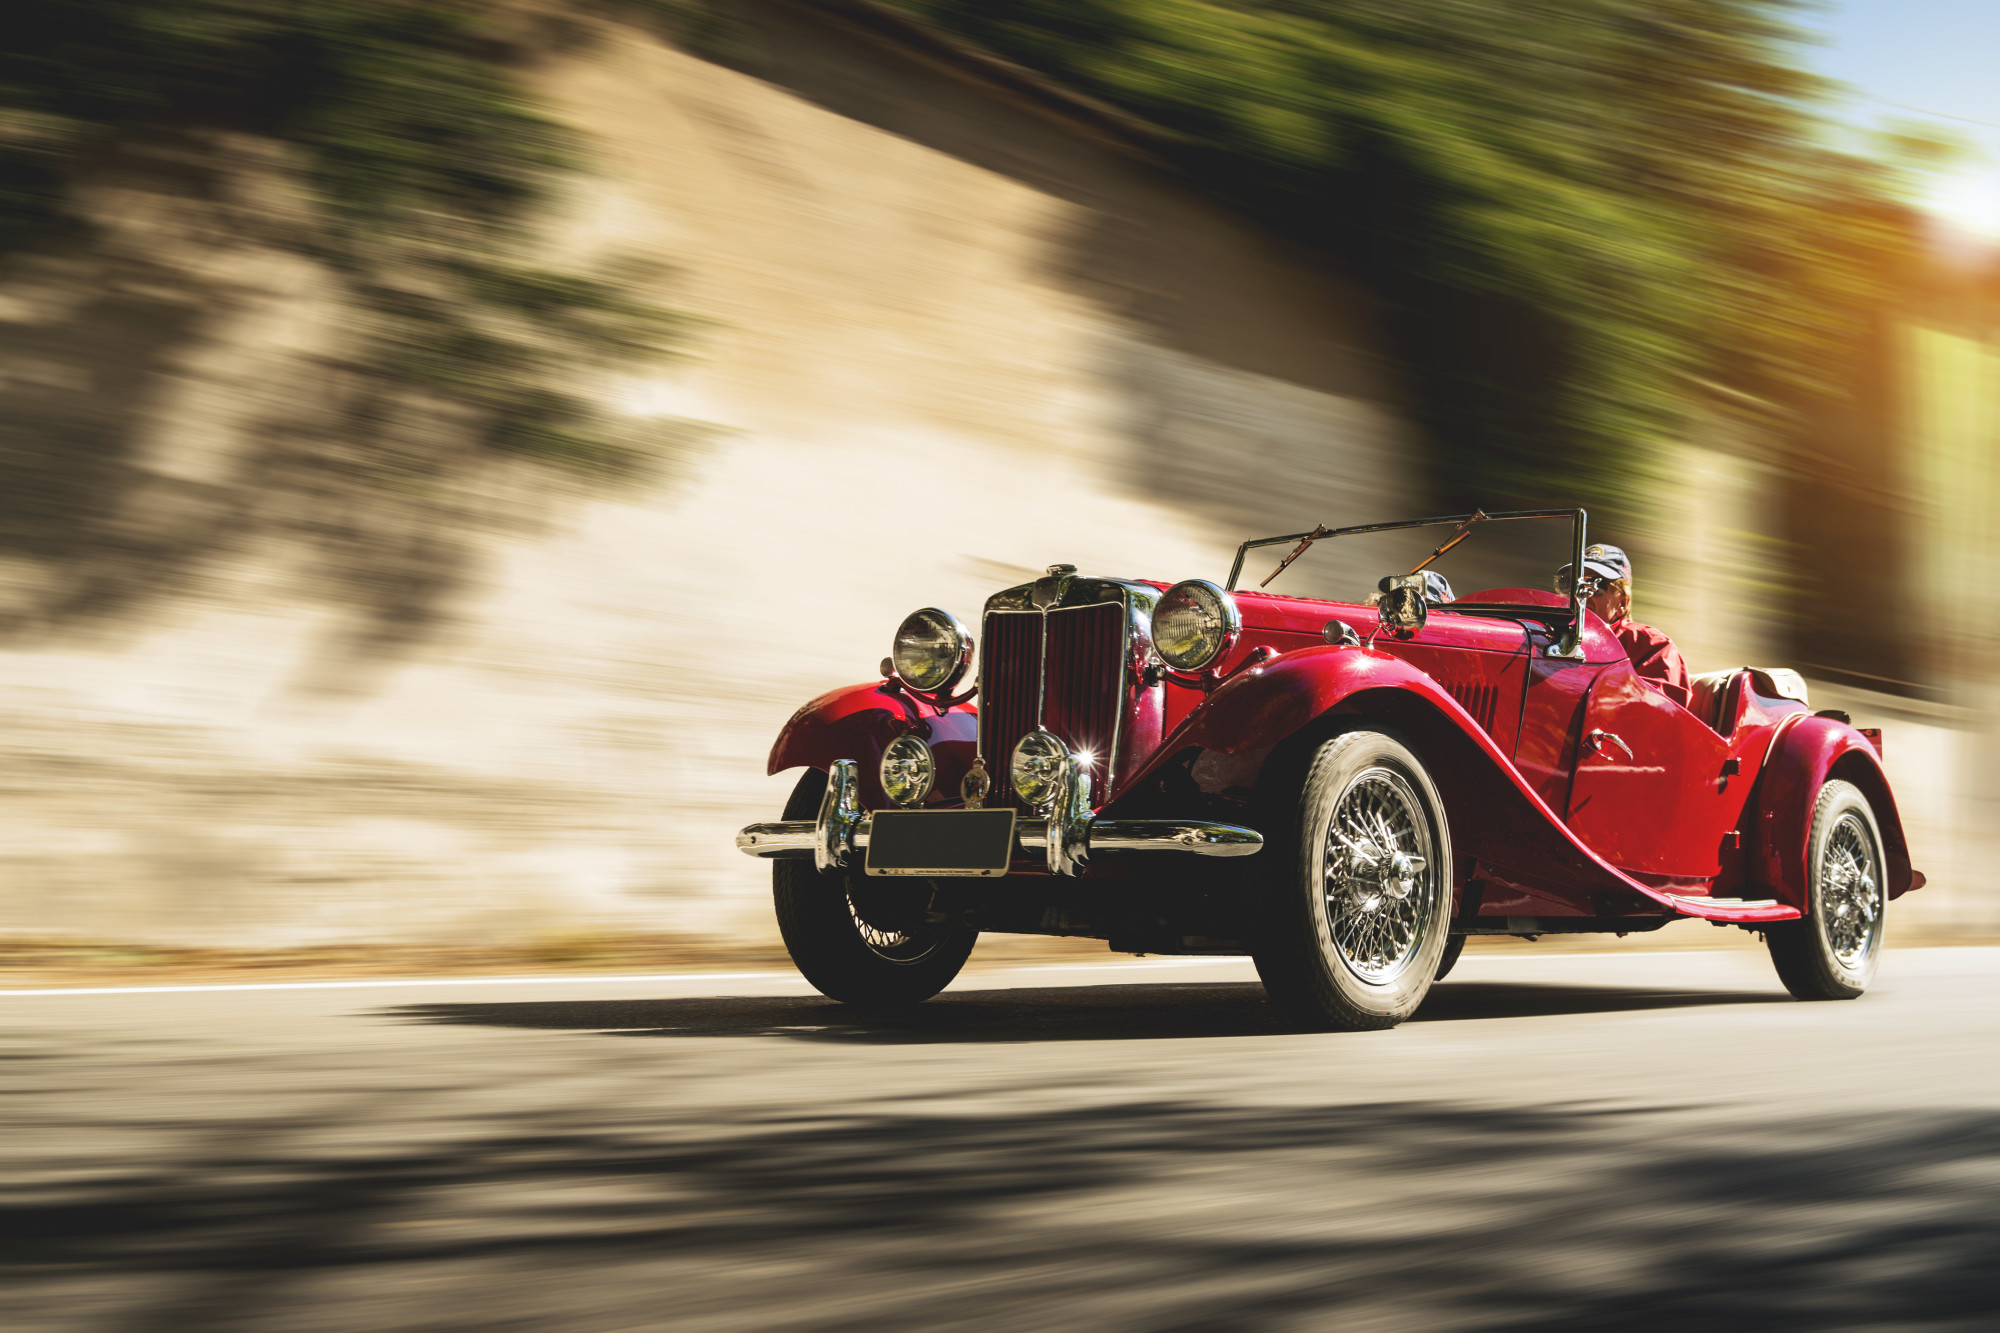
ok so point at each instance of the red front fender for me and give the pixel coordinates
(1496, 818)
(858, 721)
(1807, 752)
(1267, 704)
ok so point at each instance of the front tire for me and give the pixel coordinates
(1831, 952)
(1449, 958)
(1357, 912)
(863, 940)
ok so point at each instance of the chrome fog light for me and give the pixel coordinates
(907, 770)
(1037, 769)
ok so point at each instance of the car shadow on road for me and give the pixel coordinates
(1132, 1012)
(1155, 1213)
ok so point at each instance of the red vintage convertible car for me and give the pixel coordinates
(1343, 791)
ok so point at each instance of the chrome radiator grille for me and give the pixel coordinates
(1085, 686)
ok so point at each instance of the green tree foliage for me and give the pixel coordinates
(1581, 212)
(423, 153)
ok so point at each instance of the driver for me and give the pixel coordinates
(1607, 585)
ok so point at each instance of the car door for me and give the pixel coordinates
(1648, 792)
(1545, 748)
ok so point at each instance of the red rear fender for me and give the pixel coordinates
(1806, 753)
(858, 721)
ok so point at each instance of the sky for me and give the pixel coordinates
(1931, 61)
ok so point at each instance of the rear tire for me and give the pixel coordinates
(860, 939)
(1356, 912)
(1831, 952)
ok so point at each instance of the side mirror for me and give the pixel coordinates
(1403, 608)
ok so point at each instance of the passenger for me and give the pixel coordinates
(1608, 591)
(1437, 589)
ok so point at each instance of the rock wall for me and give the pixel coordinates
(951, 338)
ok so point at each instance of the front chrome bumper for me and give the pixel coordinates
(1068, 837)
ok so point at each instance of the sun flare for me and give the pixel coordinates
(1968, 201)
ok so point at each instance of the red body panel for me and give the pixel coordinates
(1551, 726)
(1671, 781)
(1482, 663)
(1808, 751)
(858, 722)
(1662, 811)
(1501, 828)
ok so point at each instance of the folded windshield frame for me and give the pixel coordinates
(1569, 618)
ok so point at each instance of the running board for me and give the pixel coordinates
(1732, 909)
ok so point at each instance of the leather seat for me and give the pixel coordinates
(1711, 696)
(1715, 696)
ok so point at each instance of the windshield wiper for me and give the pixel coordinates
(1464, 531)
(1319, 531)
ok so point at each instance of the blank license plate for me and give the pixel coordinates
(941, 842)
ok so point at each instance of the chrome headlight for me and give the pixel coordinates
(1037, 769)
(931, 650)
(1194, 624)
(907, 770)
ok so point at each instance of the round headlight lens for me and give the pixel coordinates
(931, 650)
(1193, 623)
(1037, 768)
(907, 770)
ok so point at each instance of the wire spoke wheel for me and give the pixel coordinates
(1831, 953)
(889, 919)
(1850, 891)
(1380, 884)
(863, 939)
(1355, 921)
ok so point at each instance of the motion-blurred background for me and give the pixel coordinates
(442, 441)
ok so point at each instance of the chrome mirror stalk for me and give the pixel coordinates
(1571, 647)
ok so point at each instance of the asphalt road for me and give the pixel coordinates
(1558, 1142)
